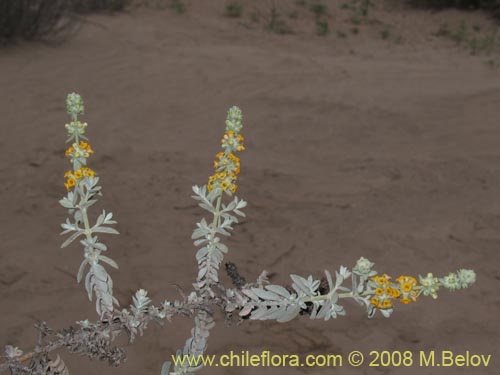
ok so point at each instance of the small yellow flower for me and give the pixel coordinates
(379, 291)
(405, 300)
(387, 304)
(70, 183)
(374, 301)
(68, 173)
(224, 185)
(406, 287)
(78, 174)
(69, 151)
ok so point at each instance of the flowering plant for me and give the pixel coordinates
(259, 300)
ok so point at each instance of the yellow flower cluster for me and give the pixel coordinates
(385, 292)
(76, 151)
(73, 176)
(407, 286)
(79, 150)
(233, 140)
(227, 164)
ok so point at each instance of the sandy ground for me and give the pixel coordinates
(356, 146)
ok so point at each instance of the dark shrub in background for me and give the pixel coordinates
(492, 6)
(95, 5)
(32, 19)
(47, 19)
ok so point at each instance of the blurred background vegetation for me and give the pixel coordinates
(47, 19)
(56, 20)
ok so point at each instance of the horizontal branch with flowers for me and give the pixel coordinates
(259, 300)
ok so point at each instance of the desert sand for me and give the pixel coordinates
(355, 146)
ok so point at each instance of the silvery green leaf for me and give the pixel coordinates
(66, 203)
(344, 272)
(109, 261)
(100, 272)
(222, 231)
(88, 285)
(200, 241)
(250, 293)
(339, 279)
(105, 230)
(222, 247)
(386, 312)
(290, 313)
(108, 218)
(323, 313)
(214, 193)
(371, 311)
(71, 238)
(360, 288)
(100, 219)
(165, 368)
(88, 204)
(207, 207)
(81, 269)
(259, 313)
(329, 279)
(237, 212)
(202, 272)
(301, 284)
(199, 232)
(266, 295)
(246, 310)
(141, 301)
(201, 253)
(274, 312)
(279, 290)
